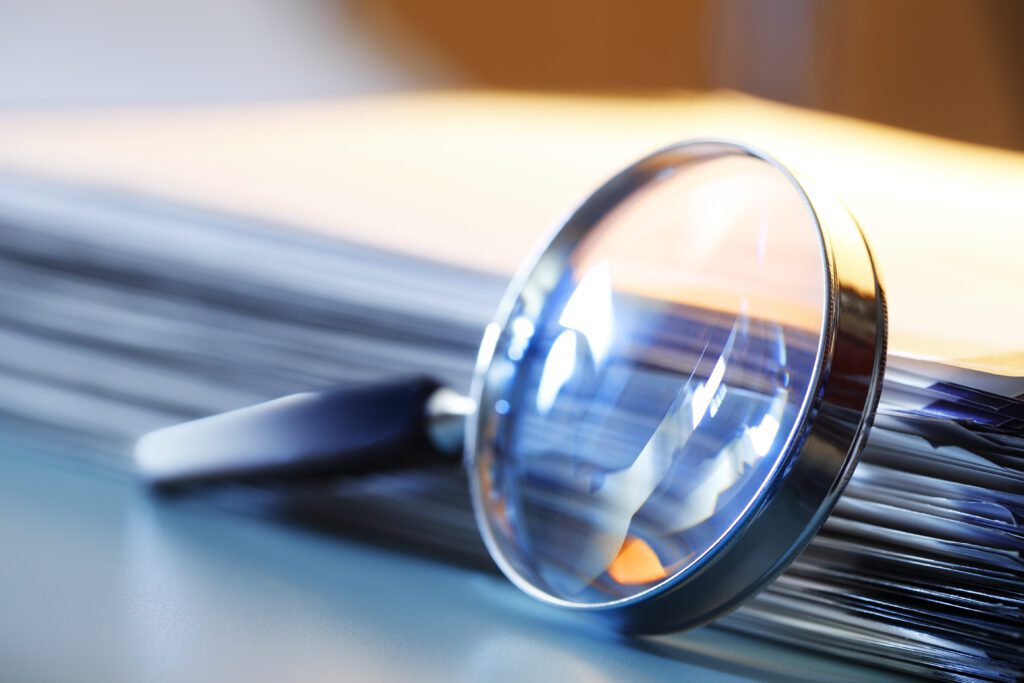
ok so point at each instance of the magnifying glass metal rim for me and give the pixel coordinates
(819, 455)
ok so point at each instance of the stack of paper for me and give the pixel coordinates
(120, 314)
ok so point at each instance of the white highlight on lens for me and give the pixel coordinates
(558, 368)
(763, 435)
(522, 327)
(589, 311)
(522, 333)
(705, 392)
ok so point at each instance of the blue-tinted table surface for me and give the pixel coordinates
(100, 582)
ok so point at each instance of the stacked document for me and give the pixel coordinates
(120, 314)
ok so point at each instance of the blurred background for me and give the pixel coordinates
(945, 67)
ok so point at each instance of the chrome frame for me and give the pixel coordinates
(821, 453)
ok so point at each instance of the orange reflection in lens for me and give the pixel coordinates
(636, 564)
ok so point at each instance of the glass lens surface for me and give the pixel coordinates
(649, 381)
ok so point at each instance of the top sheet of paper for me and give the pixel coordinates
(474, 179)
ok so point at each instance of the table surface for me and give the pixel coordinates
(102, 582)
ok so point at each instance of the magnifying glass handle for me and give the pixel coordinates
(399, 424)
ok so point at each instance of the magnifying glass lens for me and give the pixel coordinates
(650, 377)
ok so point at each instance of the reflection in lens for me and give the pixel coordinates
(656, 387)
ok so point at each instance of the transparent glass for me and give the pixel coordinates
(660, 386)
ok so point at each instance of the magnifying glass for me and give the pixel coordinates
(671, 398)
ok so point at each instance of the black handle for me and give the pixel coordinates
(349, 430)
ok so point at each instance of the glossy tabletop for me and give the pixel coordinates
(101, 582)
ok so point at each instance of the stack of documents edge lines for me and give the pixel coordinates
(120, 314)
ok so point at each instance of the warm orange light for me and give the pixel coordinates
(636, 564)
